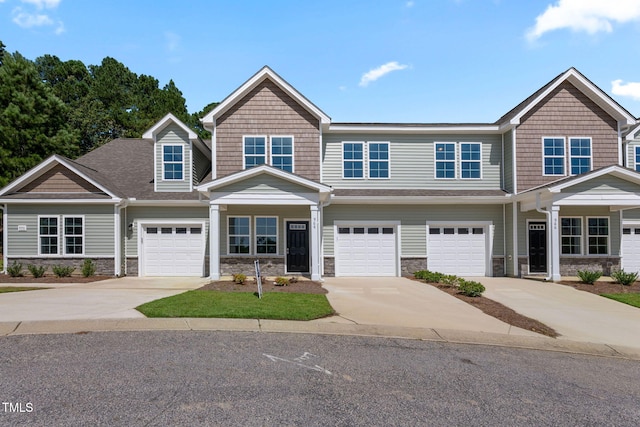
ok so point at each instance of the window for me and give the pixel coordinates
(553, 156)
(239, 235)
(266, 235)
(254, 151)
(73, 236)
(580, 155)
(352, 160)
(571, 236)
(445, 160)
(172, 162)
(470, 161)
(378, 160)
(282, 152)
(637, 158)
(48, 235)
(597, 236)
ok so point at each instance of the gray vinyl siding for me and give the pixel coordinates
(508, 162)
(413, 222)
(606, 184)
(411, 162)
(136, 214)
(173, 135)
(99, 233)
(264, 184)
(201, 165)
(631, 214)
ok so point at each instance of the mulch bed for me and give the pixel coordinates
(5, 278)
(300, 287)
(603, 287)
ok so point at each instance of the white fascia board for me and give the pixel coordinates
(441, 200)
(622, 199)
(62, 201)
(183, 203)
(633, 134)
(417, 129)
(264, 199)
(163, 123)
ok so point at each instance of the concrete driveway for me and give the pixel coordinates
(398, 301)
(107, 299)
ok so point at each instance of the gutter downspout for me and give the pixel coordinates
(5, 239)
(548, 215)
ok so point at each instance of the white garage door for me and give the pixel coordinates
(631, 248)
(173, 250)
(457, 250)
(366, 250)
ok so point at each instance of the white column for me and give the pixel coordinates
(117, 225)
(315, 242)
(554, 240)
(214, 242)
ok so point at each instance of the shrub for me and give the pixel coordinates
(429, 276)
(88, 268)
(239, 278)
(589, 277)
(62, 270)
(451, 281)
(626, 279)
(293, 279)
(15, 269)
(36, 270)
(282, 281)
(470, 288)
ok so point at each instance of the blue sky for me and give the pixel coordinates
(424, 61)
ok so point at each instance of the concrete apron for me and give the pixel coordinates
(401, 302)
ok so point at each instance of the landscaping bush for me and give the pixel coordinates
(624, 278)
(451, 281)
(429, 276)
(62, 270)
(15, 269)
(282, 281)
(36, 270)
(589, 277)
(239, 278)
(88, 268)
(470, 288)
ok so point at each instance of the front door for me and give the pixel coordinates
(537, 247)
(297, 246)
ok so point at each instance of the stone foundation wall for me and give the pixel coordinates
(569, 266)
(132, 266)
(498, 267)
(329, 266)
(104, 266)
(269, 266)
(408, 266)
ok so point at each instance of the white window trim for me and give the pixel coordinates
(479, 161)
(435, 160)
(364, 156)
(266, 149)
(581, 235)
(570, 157)
(229, 236)
(636, 153)
(293, 151)
(586, 241)
(564, 156)
(65, 235)
(369, 160)
(184, 172)
(255, 235)
(57, 254)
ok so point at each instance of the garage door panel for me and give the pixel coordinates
(631, 248)
(366, 251)
(457, 250)
(173, 251)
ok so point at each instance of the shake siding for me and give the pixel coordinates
(59, 180)
(264, 184)
(412, 162)
(413, 222)
(98, 228)
(173, 135)
(200, 166)
(566, 112)
(268, 111)
(508, 162)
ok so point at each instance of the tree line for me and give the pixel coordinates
(49, 106)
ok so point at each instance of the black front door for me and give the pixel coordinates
(537, 247)
(297, 246)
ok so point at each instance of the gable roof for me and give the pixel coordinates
(171, 119)
(583, 84)
(252, 83)
(563, 183)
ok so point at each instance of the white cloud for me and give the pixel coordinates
(173, 41)
(43, 4)
(410, 4)
(29, 20)
(382, 70)
(630, 89)
(591, 16)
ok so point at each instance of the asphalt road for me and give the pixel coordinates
(260, 379)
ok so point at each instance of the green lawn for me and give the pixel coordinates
(631, 299)
(240, 305)
(5, 289)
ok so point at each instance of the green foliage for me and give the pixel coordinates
(36, 270)
(282, 281)
(451, 281)
(630, 298)
(470, 288)
(429, 276)
(62, 270)
(589, 277)
(15, 269)
(624, 278)
(88, 268)
(239, 278)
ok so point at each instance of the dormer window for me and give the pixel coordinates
(172, 162)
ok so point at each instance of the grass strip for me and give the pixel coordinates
(630, 298)
(240, 305)
(5, 289)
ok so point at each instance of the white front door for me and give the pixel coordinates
(366, 250)
(173, 250)
(459, 250)
(631, 248)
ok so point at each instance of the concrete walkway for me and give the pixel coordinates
(576, 315)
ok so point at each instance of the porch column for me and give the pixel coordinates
(554, 239)
(214, 242)
(315, 242)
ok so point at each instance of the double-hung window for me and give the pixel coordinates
(263, 238)
(48, 235)
(580, 155)
(353, 159)
(637, 158)
(239, 232)
(553, 156)
(255, 151)
(571, 236)
(266, 235)
(282, 152)
(172, 162)
(445, 154)
(378, 160)
(73, 235)
(470, 160)
(597, 236)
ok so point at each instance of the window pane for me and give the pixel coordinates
(353, 165)
(378, 160)
(598, 236)
(445, 160)
(434, 230)
(553, 151)
(387, 230)
(254, 151)
(282, 153)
